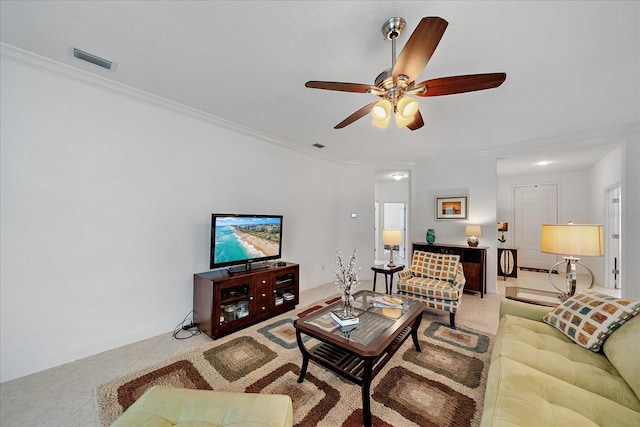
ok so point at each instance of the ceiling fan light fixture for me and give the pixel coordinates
(406, 109)
(382, 124)
(381, 110)
(381, 113)
(402, 121)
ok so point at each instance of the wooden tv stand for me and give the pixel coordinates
(225, 302)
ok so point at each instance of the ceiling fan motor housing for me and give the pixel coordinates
(393, 28)
(391, 90)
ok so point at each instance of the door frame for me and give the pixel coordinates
(612, 225)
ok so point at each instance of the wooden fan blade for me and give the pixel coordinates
(461, 84)
(417, 52)
(343, 87)
(355, 116)
(417, 122)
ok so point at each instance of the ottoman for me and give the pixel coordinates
(165, 406)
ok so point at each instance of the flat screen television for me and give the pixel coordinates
(240, 239)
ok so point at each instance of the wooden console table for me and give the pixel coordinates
(473, 262)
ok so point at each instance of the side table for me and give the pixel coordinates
(387, 271)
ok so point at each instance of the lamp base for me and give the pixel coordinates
(391, 263)
(570, 276)
(473, 242)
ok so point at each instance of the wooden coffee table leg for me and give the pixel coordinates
(366, 392)
(414, 333)
(303, 370)
(305, 357)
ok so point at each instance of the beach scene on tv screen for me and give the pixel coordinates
(241, 238)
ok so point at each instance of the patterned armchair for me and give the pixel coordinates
(436, 279)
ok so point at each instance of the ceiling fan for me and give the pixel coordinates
(396, 84)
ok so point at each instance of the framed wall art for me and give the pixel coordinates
(454, 207)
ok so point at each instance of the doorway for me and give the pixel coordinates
(395, 216)
(534, 205)
(391, 211)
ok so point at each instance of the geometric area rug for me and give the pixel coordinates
(441, 386)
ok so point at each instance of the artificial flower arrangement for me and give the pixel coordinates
(347, 279)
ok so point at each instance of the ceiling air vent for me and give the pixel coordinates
(85, 56)
(318, 145)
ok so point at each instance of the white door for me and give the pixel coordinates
(613, 239)
(534, 205)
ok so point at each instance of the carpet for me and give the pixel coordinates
(441, 386)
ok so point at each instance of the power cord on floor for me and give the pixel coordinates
(186, 327)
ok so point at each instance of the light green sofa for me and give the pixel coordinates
(165, 407)
(539, 377)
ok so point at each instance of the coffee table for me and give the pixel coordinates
(359, 353)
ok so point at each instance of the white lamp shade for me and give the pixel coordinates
(572, 239)
(407, 108)
(381, 113)
(473, 231)
(391, 236)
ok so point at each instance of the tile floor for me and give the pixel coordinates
(63, 396)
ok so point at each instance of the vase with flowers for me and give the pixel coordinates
(347, 279)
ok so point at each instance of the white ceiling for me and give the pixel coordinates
(573, 68)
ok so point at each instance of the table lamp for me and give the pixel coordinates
(472, 232)
(391, 237)
(502, 227)
(571, 241)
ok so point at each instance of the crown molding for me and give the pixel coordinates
(575, 141)
(33, 60)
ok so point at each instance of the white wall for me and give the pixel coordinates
(573, 189)
(471, 176)
(357, 192)
(474, 176)
(573, 201)
(630, 224)
(392, 191)
(580, 198)
(357, 196)
(106, 196)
